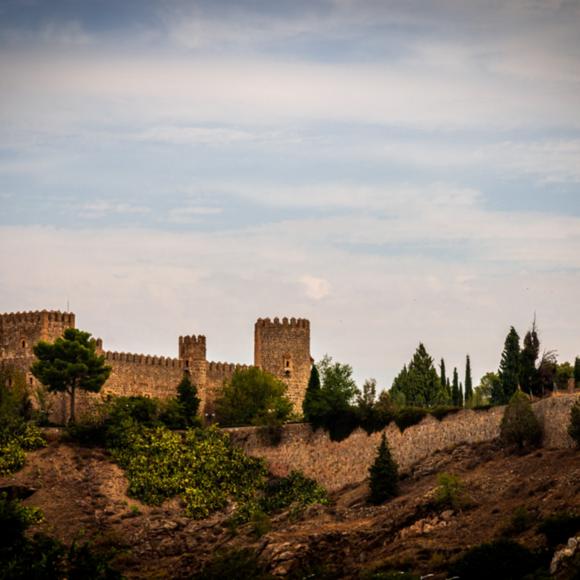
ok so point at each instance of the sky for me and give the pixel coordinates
(395, 171)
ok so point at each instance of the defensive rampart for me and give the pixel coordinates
(336, 464)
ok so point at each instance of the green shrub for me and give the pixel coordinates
(12, 457)
(502, 559)
(519, 426)
(409, 416)
(239, 564)
(383, 475)
(559, 527)
(296, 489)
(450, 492)
(520, 521)
(442, 411)
(574, 427)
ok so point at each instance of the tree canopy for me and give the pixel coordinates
(253, 397)
(509, 369)
(418, 382)
(70, 363)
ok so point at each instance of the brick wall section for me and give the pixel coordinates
(336, 464)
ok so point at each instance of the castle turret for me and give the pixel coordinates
(282, 348)
(192, 353)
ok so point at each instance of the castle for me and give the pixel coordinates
(281, 347)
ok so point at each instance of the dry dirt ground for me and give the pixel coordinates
(82, 495)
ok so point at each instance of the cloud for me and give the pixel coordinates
(99, 209)
(192, 214)
(315, 288)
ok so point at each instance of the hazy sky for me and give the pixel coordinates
(394, 171)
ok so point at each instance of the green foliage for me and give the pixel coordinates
(409, 416)
(240, 564)
(520, 521)
(70, 363)
(577, 371)
(188, 399)
(509, 369)
(419, 382)
(488, 384)
(23, 558)
(564, 372)
(504, 559)
(443, 411)
(201, 466)
(253, 397)
(450, 492)
(443, 376)
(383, 475)
(468, 383)
(295, 489)
(574, 427)
(529, 379)
(519, 426)
(310, 405)
(559, 527)
(455, 393)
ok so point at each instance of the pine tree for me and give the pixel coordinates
(455, 388)
(311, 403)
(187, 397)
(509, 368)
(384, 475)
(468, 383)
(528, 358)
(443, 376)
(577, 372)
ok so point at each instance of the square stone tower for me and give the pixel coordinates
(282, 348)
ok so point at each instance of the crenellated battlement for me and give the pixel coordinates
(38, 316)
(223, 367)
(192, 340)
(142, 359)
(289, 322)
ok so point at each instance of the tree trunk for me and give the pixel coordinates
(72, 405)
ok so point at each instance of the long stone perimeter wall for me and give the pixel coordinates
(336, 464)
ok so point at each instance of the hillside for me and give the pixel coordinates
(82, 495)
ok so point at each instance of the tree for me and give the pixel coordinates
(528, 358)
(577, 371)
(366, 406)
(253, 397)
(488, 384)
(564, 372)
(547, 369)
(468, 383)
(509, 368)
(69, 364)
(419, 382)
(519, 425)
(455, 395)
(460, 401)
(384, 475)
(188, 399)
(443, 376)
(311, 403)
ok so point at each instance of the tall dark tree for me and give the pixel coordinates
(188, 399)
(577, 371)
(529, 378)
(461, 401)
(69, 364)
(442, 374)
(509, 368)
(455, 388)
(419, 382)
(384, 476)
(468, 383)
(311, 403)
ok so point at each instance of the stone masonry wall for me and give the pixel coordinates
(336, 464)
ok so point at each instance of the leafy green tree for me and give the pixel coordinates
(188, 398)
(482, 394)
(468, 383)
(69, 364)
(253, 397)
(509, 369)
(366, 408)
(519, 425)
(455, 395)
(384, 475)
(564, 372)
(529, 379)
(419, 382)
(311, 403)
(338, 386)
(577, 371)
(547, 369)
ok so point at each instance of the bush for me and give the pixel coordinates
(409, 416)
(383, 474)
(450, 491)
(520, 521)
(519, 426)
(296, 489)
(559, 527)
(441, 412)
(574, 427)
(503, 559)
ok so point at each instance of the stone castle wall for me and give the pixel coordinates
(336, 464)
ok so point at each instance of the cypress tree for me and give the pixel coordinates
(528, 357)
(443, 376)
(455, 388)
(461, 404)
(468, 382)
(577, 371)
(384, 475)
(509, 368)
(187, 397)
(311, 403)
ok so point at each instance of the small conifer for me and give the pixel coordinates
(311, 403)
(519, 425)
(384, 475)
